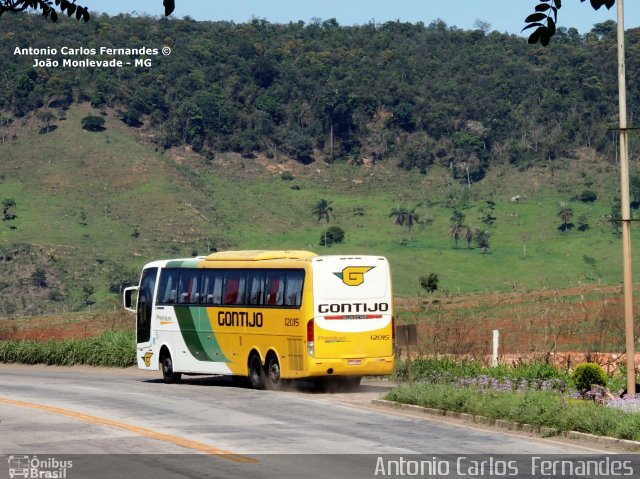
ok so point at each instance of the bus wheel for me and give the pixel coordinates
(256, 373)
(272, 373)
(351, 383)
(169, 376)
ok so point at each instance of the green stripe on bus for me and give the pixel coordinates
(202, 343)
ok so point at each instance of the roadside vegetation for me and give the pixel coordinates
(537, 394)
(109, 349)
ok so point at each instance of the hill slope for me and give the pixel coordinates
(93, 207)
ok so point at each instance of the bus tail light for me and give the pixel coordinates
(310, 337)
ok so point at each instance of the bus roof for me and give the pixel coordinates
(260, 255)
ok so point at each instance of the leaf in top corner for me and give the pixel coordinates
(532, 25)
(535, 36)
(545, 37)
(535, 17)
(551, 27)
(169, 7)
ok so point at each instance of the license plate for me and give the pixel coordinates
(355, 362)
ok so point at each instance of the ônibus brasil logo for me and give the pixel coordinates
(353, 275)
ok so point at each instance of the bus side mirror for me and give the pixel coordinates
(126, 296)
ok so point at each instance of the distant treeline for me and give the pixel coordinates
(413, 94)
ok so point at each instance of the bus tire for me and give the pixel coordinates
(256, 373)
(351, 383)
(273, 380)
(168, 374)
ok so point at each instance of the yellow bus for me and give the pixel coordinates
(269, 316)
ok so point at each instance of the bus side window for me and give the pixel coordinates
(274, 288)
(231, 285)
(211, 286)
(293, 291)
(242, 288)
(188, 286)
(256, 286)
(217, 290)
(167, 292)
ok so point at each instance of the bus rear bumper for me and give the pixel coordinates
(351, 367)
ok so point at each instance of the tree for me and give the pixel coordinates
(482, 240)
(430, 282)
(400, 215)
(47, 8)
(616, 216)
(458, 228)
(4, 122)
(545, 18)
(8, 209)
(323, 209)
(70, 7)
(46, 117)
(565, 213)
(405, 217)
(133, 118)
(39, 278)
(469, 235)
(588, 196)
(93, 123)
(333, 235)
(583, 222)
(486, 213)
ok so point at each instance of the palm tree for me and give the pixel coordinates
(456, 232)
(323, 209)
(412, 218)
(405, 217)
(566, 214)
(468, 235)
(458, 228)
(400, 215)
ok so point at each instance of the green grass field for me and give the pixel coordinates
(96, 204)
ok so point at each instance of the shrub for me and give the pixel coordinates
(132, 118)
(93, 123)
(333, 234)
(588, 196)
(287, 176)
(587, 374)
(429, 283)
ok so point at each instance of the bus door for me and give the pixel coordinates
(144, 312)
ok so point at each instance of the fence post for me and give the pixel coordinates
(496, 341)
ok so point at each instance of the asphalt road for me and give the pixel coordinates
(128, 423)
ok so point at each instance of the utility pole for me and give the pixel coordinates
(626, 210)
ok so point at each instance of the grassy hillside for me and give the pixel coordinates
(527, 249)
(93, 207)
